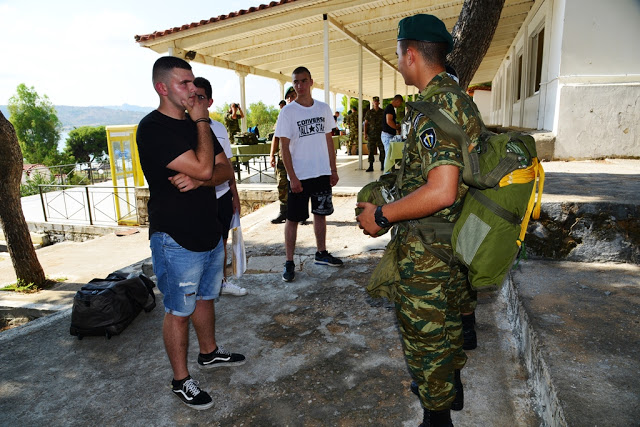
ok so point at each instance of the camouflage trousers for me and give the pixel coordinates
(372, 144)
(283, 182)
(352, 142)
(427, 304)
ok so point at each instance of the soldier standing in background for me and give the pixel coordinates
(372, 129)
(232, 120)
(351, 121)
(281, 172)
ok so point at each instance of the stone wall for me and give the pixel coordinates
(251, 199)
(586, 232)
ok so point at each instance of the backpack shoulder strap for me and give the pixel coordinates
(448, 126)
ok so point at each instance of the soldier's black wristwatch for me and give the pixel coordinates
(380, 219)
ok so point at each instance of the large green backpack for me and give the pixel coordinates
(502, 171)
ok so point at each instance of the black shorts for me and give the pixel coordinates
(319, 191)
(225, 213)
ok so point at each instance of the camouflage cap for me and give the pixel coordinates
(426, 28)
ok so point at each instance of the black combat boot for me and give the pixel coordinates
(469, 331)
(282, 216)
(370, 167)
(458, 402)
(436, 418)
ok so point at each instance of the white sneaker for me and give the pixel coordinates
(229, 288)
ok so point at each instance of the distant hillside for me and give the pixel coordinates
(73, 117)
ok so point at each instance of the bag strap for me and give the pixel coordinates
(445, 123)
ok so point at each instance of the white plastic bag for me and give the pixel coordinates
(239, 257)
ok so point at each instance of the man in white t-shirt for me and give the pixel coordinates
(304, 128)
(226, 193)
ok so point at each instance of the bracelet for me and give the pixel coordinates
(334, 170)
(202, 119)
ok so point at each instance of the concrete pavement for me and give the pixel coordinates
(557, 346)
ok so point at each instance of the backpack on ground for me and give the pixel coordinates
(503, 174)
(105, 307)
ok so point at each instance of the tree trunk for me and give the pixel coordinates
(472, 36)
(23, 255)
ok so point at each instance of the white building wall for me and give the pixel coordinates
(590, 84)
(482, 99)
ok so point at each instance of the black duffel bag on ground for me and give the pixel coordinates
(105, 307)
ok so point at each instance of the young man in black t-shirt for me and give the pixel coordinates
(389, 125)
(182, 160)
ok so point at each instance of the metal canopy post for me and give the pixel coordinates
(360, 107)
(327, 80)
(381, 80)
(243, 103)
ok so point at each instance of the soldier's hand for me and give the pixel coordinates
(272, 161)
(366, 220)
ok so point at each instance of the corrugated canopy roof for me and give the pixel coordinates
(271, 40)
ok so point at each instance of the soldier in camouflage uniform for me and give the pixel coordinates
(372, 129)
(281, 172)
(351, 121)
(232, 120)
(429, 292)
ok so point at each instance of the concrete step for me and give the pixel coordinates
(577, 328)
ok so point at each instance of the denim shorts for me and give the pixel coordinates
(185, 276)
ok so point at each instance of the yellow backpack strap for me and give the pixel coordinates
(533, 212)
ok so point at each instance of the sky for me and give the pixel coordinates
(83, 53)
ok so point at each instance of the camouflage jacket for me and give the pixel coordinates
(374, 122)
(351, 121)
(431, 147)
(232, 125)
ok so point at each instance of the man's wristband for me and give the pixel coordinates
(380, 219)
(202, 119)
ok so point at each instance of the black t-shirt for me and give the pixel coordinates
(190, 218)
(385, 127)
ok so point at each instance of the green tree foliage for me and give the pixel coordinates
(354, 103)
(259, 114)
(262, 116)
(36, 123)
(87, 144)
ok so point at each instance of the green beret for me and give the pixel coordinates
(290, 90)
(425, 28)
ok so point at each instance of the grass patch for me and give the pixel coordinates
(30, 288)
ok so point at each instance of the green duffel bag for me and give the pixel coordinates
(246, 138)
